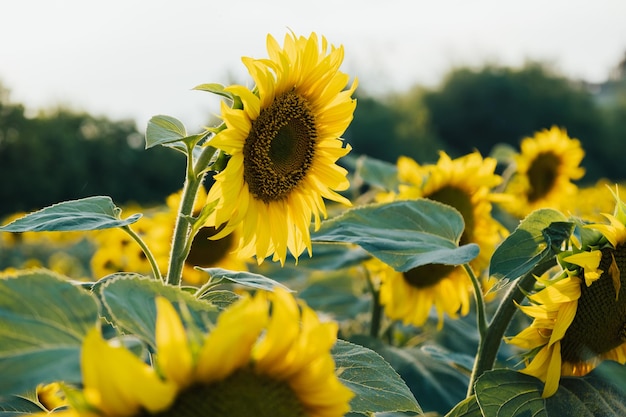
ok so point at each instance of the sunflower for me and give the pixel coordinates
(544, 171)
(464, 183)
(579, 316)
(251, 363)
(283, 145)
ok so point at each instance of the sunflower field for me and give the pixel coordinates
(290, 277)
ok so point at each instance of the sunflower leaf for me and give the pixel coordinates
(377, 387)
(129, 301)
(377, 173)
(534, 241)
(40, 340)
(403, 234)
(13, 405)
(508, 393)
(467, 408)
(169, 131)
(91, 213)
(247, 279)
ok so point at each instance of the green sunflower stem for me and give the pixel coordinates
(481, 318)
(146, 251)
(490, 341)
(181, 242)
(377, 309)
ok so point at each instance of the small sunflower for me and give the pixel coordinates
(464, 183)
(283, 147)
(544, 170)
(580, 316)
(251, 363)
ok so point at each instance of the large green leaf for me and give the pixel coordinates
(91, 213)
(44, 320)
(164, 129)
(512, 394)
(534, 241)
(376, 172)
(129, 301)
(377, 387)
(403, 234)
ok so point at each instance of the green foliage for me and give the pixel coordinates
(91, 213)
(44, 319)
(403, 234)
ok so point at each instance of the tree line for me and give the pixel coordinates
(63, 154)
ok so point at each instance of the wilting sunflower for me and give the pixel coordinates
(544, 170)
(283, 147)
(251, 363)
(580, 316)
(466, 184)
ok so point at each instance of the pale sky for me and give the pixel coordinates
(135, 59)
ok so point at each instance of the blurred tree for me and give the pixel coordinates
(393, 126)
(64, 155)
(477, 109)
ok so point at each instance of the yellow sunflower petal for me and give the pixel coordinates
(174, 353)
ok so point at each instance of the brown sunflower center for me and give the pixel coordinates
(242, 394)
(460, 200)
(206, 252)
(542, 175)
(600, 322)
(427, 275)
(279, 150)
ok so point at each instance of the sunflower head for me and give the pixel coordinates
(283, 145)
(544, 170)
(580, 316)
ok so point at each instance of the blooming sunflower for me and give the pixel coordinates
(544, 170)
(283, 145)
(580, 316)
(251, 363)
(464, 183)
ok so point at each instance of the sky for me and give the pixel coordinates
(136, 59)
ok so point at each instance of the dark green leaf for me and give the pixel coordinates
(91, 213)
(12, 405)
(129, 301)
(377, 387)
(532, 243)
(466, 408)
(506, 393)
(44, 320)
(220, 298)
(247, 279)
(403, 234)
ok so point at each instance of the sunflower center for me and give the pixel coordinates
(242, 394)
(600, 322)
(279, 150)
(206, 252)
(427, 275)
(542, 175)
(460, 200)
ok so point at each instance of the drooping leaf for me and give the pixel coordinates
(377, 387)
(91, 213)
(129, 301)
(533, 242)
(44, 320)
(244, 278)
(403, 234)
(13, 405)
(467, 408)
(220, 91)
